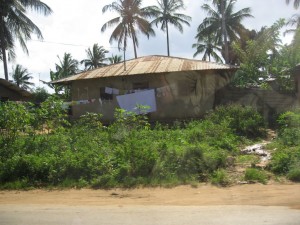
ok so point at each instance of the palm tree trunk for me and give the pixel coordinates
(134, 46)
(224, 31)
(168, 47)
(3, 47)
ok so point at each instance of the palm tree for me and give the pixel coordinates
(296, 3)
(131, 19)
(96, 57)
(14, 24)
(67, 66)
(21, 77)
(207, 46)
(167, 14)
(293, 21)
(223, 22)
(115, 59)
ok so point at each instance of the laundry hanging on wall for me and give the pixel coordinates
(130, 102)
(65, 105)
(160, 91)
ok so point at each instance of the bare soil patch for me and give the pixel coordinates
(250, 194)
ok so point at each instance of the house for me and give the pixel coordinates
(10, 91)
(174, 88)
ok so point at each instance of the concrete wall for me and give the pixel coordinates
(186, 95)
(270, 103)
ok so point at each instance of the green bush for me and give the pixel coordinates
(220, 178)
(294, 174)
(253, 174)
(289, 128)
(243, 120)
(43, 149)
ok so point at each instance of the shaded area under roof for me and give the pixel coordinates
(147, 65)
(15, 88)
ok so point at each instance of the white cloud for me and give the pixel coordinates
(79, 23)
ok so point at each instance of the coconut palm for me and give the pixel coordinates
(15, 25)
(167, 15)
(207, 46)
(67, 66)
(132, 18)
(21, 77)
(223, 22)
(115, 59)
(95, 57)
(296, 3)
(293, 21)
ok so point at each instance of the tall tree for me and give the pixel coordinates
(21, 77)
(223, 22)
(95, 57)
(14, 24)
(208, 46)
(295, 22)
(67, 66)
(132, 18)
(115, 59)
(167, 15)
(296, 3)
(257, 54)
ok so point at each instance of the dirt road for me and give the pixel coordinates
(245, 204)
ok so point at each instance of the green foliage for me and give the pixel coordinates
(220, 178)
(43, 149)
(40, 95)
(254, 56)
(243, 121)
(15, 119)
(289, 127)
(286, 157)
(294, 174)
(256, 175)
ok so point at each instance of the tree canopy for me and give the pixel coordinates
(166, 14)
(15, 25)
(132, 18)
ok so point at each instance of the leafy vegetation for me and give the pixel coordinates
(253, 174)
(38, 147)
(15, 25)
(286, 157)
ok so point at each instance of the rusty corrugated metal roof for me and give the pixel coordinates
(148, 65)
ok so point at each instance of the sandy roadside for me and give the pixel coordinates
(204, 195)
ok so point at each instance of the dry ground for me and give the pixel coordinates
(203, 195)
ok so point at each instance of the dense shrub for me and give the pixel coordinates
(294, 174)
(220, 178)
(243, 120)
(253, 174)
(289, 128)
(43, 149)
(286, 158)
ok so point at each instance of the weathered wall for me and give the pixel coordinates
(268, 102)
(10, 94)
(186, 94)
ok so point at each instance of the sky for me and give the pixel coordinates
(75, 25)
